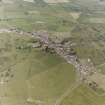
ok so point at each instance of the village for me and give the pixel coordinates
(63, 48)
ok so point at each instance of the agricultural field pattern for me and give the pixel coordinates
(52, 52)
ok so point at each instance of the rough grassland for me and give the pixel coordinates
(28, 75)
(83, 96)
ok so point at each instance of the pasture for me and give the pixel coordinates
(83, 96)
(30, 76)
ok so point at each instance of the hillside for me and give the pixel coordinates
(52, 52)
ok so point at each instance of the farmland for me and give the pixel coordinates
(52, 52)
(21, 67)
(83, 96)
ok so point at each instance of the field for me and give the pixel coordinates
(36, 17)
(28, 75)
(99, 79)
(42, 17)
(75, 15)
(101, 68)
(83, 96)
(56, 1)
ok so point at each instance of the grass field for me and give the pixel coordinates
(60, 18)
(99, 79)
(28, 75)
(83, 96)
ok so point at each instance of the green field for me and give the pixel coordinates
(40, 16)
(83, 96)
(30, 73)
(30, 76)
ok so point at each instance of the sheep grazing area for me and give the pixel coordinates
(28, 75)
(52, 52)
